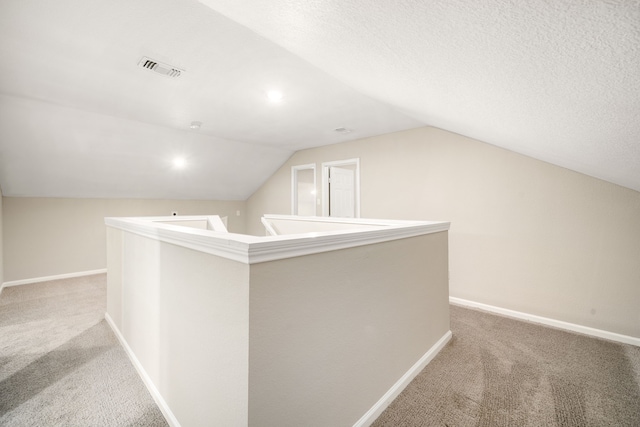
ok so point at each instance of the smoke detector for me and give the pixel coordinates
(343, 130)
(160, 68)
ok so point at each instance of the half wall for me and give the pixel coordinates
(315, 329)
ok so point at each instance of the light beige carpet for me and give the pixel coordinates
(502, 372)
(60, 363)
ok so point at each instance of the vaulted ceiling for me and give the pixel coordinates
(79, 117)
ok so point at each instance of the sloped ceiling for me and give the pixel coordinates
(556, 80)
(79, 118)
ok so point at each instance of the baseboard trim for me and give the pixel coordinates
(56, 277)
(370, 416)
(164, 408)
(599, 333)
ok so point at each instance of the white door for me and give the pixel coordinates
(341, 192)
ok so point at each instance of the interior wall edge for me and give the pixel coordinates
(546, 321)
(54, 277)
(372, 414)
(146, 379)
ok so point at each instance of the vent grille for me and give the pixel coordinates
(160, 68)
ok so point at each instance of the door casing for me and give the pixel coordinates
(325, 184)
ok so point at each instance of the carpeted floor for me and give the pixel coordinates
(61, 365)
(503, 372)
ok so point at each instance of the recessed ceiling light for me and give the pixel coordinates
(274, 96)
(179, 162)
(195, 125)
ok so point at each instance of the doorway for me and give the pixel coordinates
(303, 190)
(341, 188)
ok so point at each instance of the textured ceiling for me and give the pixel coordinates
(556, 80)
(79, 118)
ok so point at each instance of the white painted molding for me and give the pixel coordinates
(157, 397)
(370, 416)
(267, 226)
(294, 245)
(586, 330)
(56, 277)
(252, 249)
(338, 220)
(217, 224)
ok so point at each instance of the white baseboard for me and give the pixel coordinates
(56, 277)
(164, 408)
(626, 339)
(370, 416)
(366, 420)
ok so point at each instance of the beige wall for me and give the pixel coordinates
(330, 333)
(47, 236)
(525, 235)
(312, 340)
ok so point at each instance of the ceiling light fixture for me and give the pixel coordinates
(274, 96)
(179, 162)
(195, 125)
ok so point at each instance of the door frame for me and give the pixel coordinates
(325, 184)
(294, 185)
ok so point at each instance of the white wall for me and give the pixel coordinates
(185, 316)
(525, 235)
(48, 236)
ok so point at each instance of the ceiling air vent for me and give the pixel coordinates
(159, 67)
